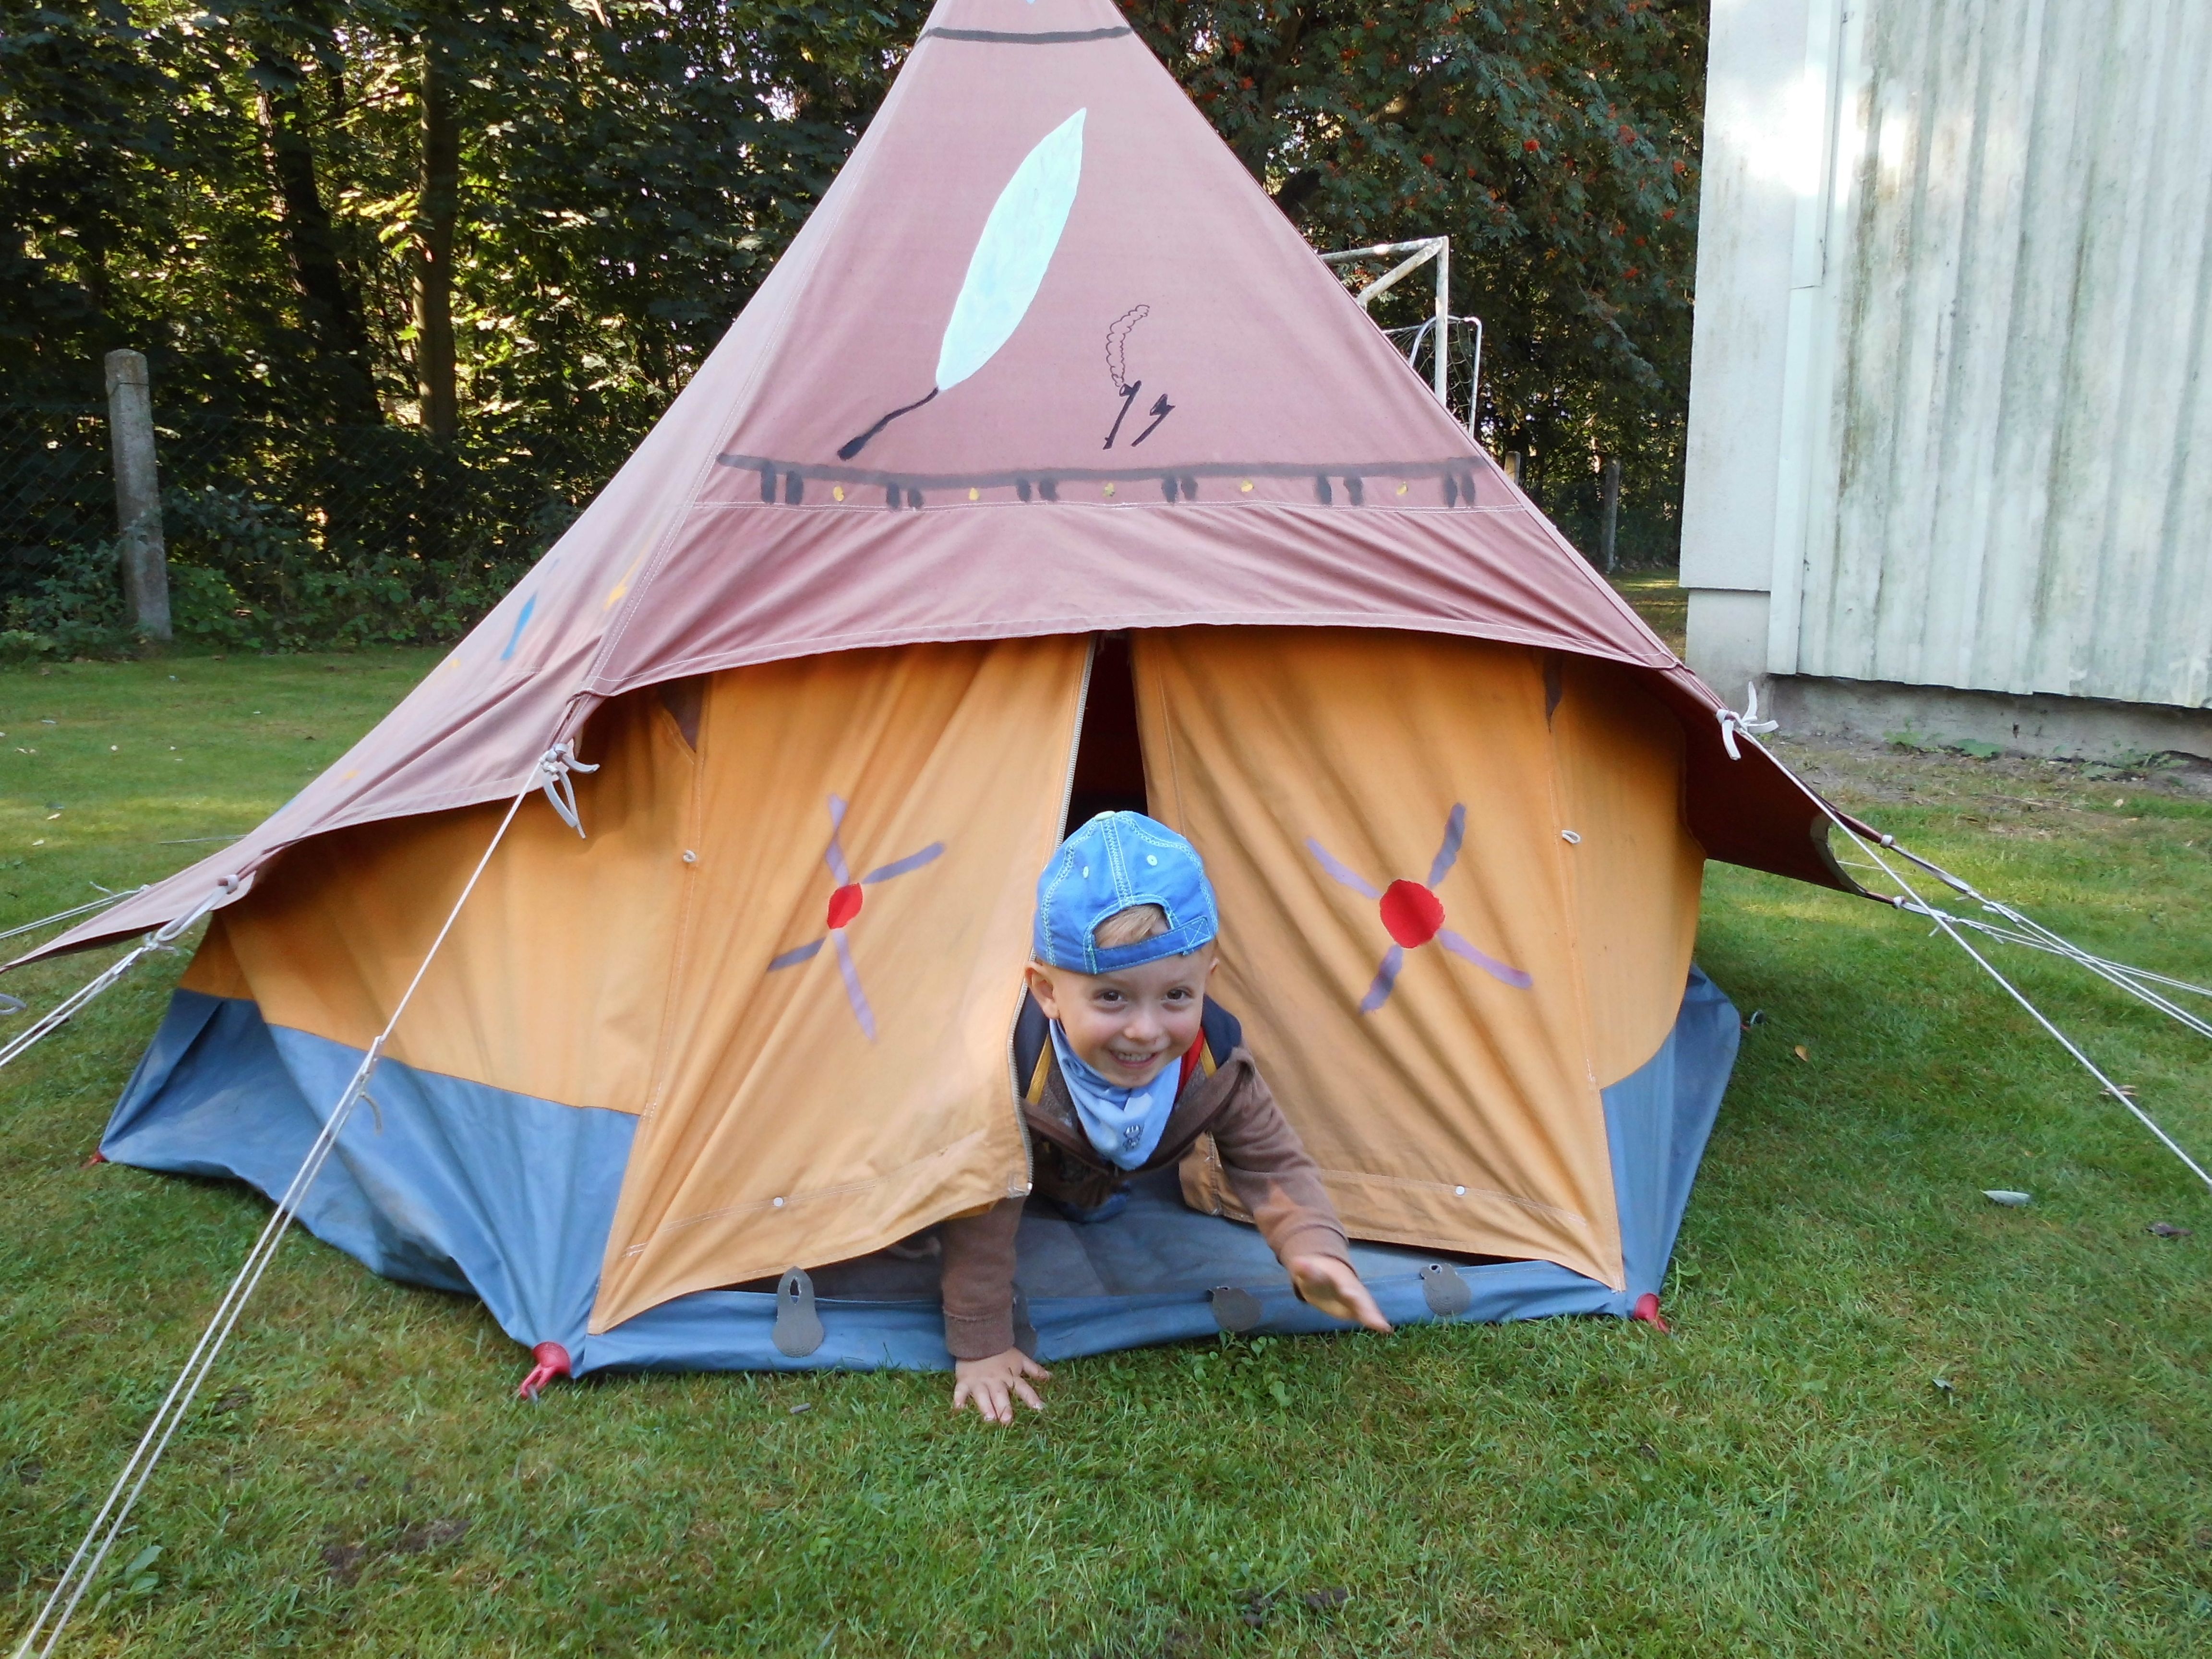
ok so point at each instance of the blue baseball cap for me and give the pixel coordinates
(1117, 860)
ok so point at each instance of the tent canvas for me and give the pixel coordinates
(1046, 409)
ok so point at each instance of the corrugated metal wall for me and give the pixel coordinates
(2010, 478)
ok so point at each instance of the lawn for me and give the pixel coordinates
(1893, 1418)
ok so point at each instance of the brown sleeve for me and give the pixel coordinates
(977, 1285)
(1268, 1168)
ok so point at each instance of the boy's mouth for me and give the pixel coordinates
(1142, 1060)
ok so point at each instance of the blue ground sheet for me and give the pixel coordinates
(467, 1187)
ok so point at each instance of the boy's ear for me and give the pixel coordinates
(1041, 988)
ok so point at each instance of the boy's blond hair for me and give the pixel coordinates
(1131, 927)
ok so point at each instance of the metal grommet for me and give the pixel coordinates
(690, 857)
(1571, 838)
(775, 1204)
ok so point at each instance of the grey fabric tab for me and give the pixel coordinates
(1445, 1290)
(1025, 1338)
(1234, 1310)
(797, 1327)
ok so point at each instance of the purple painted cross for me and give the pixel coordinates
(844, 905)
(1412, 914)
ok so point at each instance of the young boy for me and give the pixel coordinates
(1122, 950)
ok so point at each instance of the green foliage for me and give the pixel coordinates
(76, 609)
(630, 169)
(246, 575)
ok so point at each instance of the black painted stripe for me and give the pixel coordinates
(1042, 38)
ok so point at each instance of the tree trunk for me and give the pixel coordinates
(435, 368)
(327, 297)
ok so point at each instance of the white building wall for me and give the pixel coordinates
(1951, 404)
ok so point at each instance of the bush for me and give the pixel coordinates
(249, 576)
(18, 646)
(74, 610)
(245, 574)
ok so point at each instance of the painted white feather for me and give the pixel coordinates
(1006, 269)
(1010, 257)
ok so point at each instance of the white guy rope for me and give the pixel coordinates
(106, 1526)
(106, 899)
(160, 938)
(1910, 899)
(2032, 933)
(2136, 982)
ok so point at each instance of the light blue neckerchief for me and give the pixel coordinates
(1124, 1124)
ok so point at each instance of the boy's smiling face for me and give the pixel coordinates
(1129, 1025)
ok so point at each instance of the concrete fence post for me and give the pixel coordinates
(137, 494)
(1609, 505)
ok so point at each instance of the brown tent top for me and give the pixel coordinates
(1045, 360)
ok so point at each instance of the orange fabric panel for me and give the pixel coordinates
(214, 968)
(781, 1130)
(1463, 1112)
(554, 978)
(1638, 874)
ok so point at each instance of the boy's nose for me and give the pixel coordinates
(1143, 1027)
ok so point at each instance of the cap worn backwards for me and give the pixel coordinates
(1117, 861)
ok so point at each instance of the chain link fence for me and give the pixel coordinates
(281, 536)
(55, 491)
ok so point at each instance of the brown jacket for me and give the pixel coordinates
(1266, 1168)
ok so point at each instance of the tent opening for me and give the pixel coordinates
(1109, 759)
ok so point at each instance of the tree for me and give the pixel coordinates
(284, 44)
(436, 368)
(1556, 143)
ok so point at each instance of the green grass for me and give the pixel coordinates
(1660, 600)
(1784, 1476)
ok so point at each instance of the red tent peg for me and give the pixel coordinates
(552, 1361)
(1647, 1309)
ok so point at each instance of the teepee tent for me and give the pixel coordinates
(1049, 470)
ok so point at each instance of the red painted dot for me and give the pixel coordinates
(845, 904)
(1411, 913)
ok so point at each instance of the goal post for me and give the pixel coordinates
(1422, 251)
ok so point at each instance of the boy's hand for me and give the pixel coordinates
(1329, 1284)
(992, 1385)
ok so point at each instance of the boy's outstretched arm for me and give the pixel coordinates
(977, 1287)
(1269, 1169)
